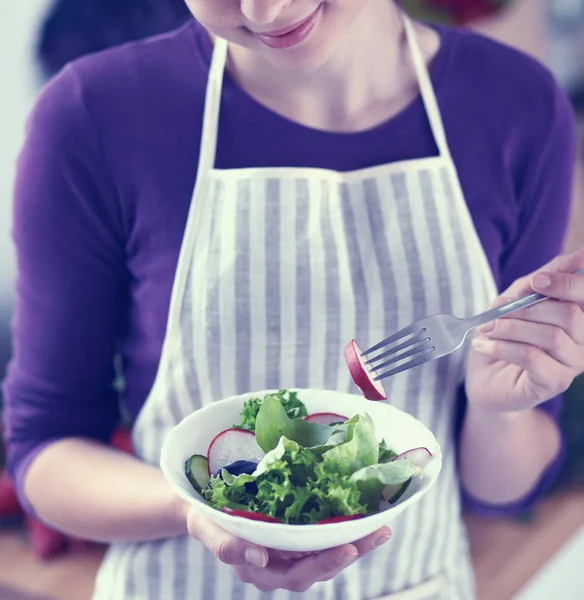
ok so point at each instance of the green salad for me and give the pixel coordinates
(281, 464)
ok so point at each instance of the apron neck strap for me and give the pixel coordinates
(215, 87)
(212, 106)
(426, 88)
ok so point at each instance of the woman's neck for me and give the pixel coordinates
(368, 79)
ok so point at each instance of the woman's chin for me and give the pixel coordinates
(306, 59)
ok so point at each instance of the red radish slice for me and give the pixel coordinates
(420, 457)
(248, 514)
(372, 390)
(231, 445)
(339, 519)
(325, 418)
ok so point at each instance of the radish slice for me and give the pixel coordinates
(420, 457)
(339, 519)
(372, 390)
(325, 418)
(248, 514)
(231, 445)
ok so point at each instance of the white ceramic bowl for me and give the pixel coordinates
(401, 431)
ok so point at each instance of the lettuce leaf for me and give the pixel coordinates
(337, 437)
(273, 422)
(284, 446)
(289, 400)
(385, 453)
(373, 479)
(229, 491)
(295, 486)
(360, 448)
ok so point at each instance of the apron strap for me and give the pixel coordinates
(208, 147)
(437, 125)
(426, 88)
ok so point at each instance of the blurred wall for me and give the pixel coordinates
(18, 28)
(522, 26)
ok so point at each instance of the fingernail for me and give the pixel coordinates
(382, 539)
(255, 558)
(349, 559)
(488, 327)
(542, 281)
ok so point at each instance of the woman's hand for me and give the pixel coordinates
(532, 355)
(270, 570)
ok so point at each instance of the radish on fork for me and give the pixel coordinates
(364, 378)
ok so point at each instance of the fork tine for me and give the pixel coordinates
(394, 338)
(422, 336)
(415, 362)
(414, 351)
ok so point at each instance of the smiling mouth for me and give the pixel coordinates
(291, 35)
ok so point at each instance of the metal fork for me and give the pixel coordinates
(434, 337)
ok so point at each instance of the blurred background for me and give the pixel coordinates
(535, 557)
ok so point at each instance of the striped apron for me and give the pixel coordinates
(279, 268)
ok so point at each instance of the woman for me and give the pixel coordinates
(339, 192)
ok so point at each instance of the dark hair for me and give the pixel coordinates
(73, 28)
(454, 12)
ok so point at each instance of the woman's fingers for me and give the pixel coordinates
(364, 546)
(563, 286)
(306, 572)
(567, 315)
(371, 542)
(271, 570)
(300, 575)
(547, 374)
(290, 556)
(226, 547)
(555, 279)
(551, 338)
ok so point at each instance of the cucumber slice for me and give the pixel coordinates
(197, 472)
(392, 493)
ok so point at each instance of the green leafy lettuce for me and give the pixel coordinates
(373, 479)
(310, 472)
(385, 453)
(360, 448)
(273, 422)
(289, 400)
(293, 485)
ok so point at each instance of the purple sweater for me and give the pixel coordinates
(105, 180)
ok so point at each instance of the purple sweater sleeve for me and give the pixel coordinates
(70, 288)
(544, 204)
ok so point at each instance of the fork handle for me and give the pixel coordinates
(511, 307)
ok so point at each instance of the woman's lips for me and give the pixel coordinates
(293, 35)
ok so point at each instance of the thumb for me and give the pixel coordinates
(228, 548)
